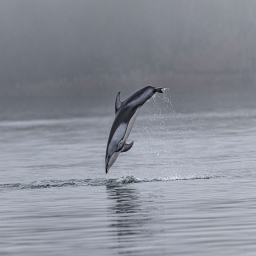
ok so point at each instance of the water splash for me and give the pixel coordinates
(95, 182)
(155, 129)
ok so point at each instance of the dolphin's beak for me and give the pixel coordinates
(107, 168)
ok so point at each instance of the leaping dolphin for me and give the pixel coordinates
(126, 113)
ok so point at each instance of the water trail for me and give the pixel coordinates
(95, 182)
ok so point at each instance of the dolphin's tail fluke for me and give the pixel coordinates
(160, 90)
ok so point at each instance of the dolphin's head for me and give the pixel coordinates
(112, 153)
(110, 160)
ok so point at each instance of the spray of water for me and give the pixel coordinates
(164, 135)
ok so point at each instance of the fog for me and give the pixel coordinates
(71, 48)
(187, 185)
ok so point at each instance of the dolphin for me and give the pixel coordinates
(126, 113)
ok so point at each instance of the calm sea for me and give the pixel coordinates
(187, 186)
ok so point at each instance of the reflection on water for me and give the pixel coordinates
(126, 199)
(129, 217)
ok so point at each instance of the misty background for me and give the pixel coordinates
(92, 49)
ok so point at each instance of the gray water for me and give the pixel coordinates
(187, 186)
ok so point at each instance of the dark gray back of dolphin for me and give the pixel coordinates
(124, 112)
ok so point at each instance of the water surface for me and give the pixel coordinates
(187, 186)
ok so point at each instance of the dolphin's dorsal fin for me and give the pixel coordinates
(126, 147)
(118, 102)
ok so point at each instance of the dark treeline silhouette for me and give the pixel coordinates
(82, 44)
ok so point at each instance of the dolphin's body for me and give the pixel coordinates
(126, 113)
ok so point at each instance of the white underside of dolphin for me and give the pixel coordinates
(120, 130)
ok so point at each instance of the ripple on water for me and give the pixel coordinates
(95, 182)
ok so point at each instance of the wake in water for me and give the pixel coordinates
(94, 182)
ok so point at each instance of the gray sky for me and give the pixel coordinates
(65, 41)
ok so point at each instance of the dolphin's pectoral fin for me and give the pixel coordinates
(126, 147)
(118, 102)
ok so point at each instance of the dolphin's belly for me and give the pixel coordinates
(130, 125)
(119, 133)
